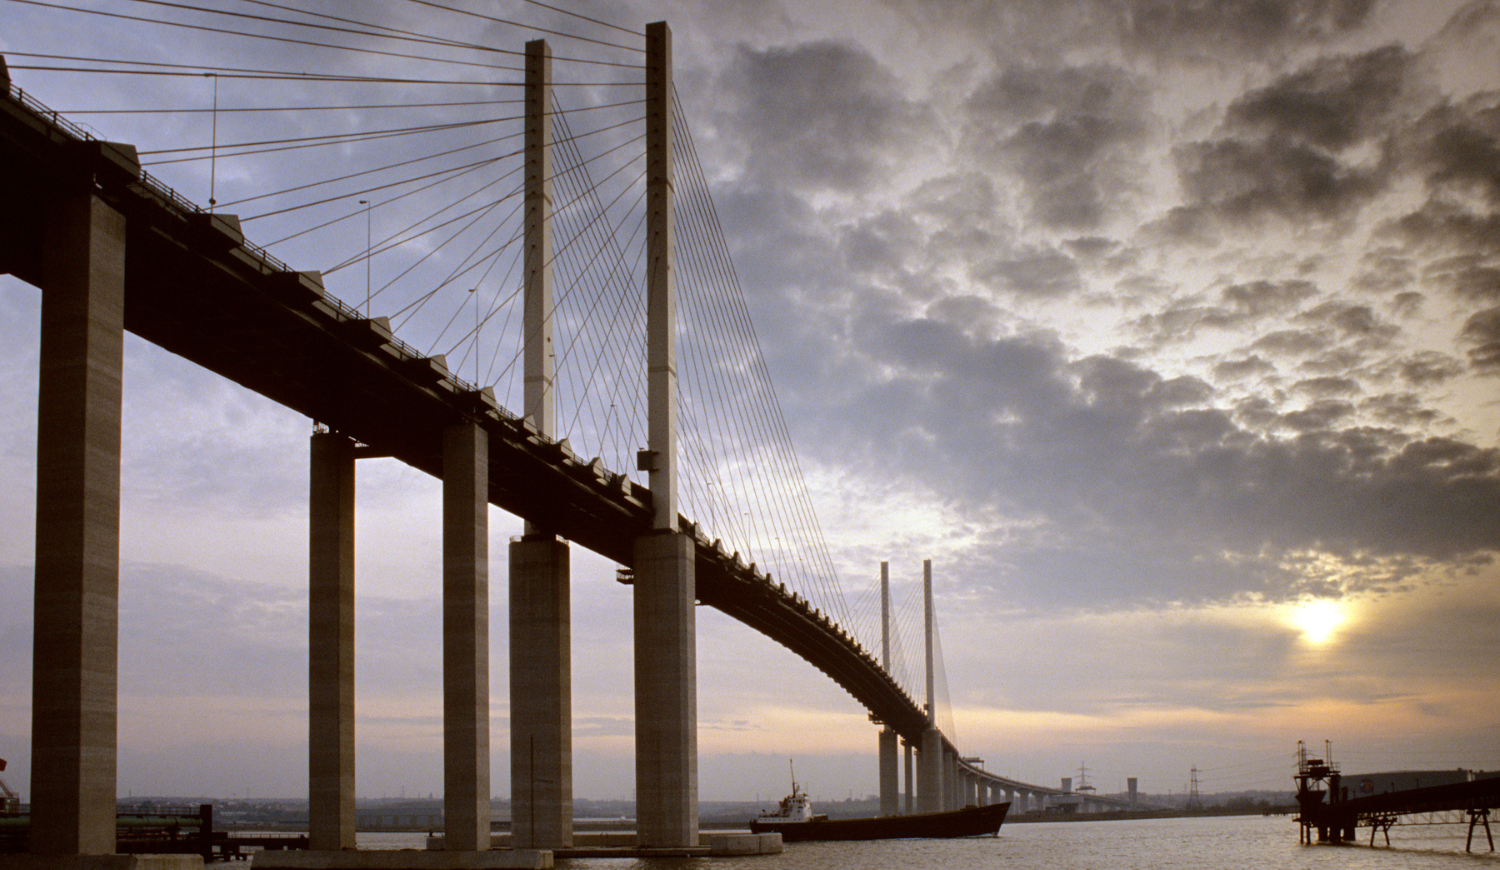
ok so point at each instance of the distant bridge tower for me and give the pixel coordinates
(931, 763)
(890, 786)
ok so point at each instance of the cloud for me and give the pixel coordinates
(1248, 367)
(1244, 28)
(1482, 331)
(1292, 342)
(823, 116)
(1404, 410)
(1039, 272)
(1070, 136)
(1102, 448)
(1427, 368)
(1333, 103)
(1458, 146)
(1242, 181)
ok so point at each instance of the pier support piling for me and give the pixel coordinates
(907, 805)
(75, 664)
(890, 786)
(541, 719)
(330, 683)
(466, 638)
(666, 692)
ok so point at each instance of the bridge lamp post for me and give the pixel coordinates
(475, 292)
(369, 250)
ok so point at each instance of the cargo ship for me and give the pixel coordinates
(796, 822)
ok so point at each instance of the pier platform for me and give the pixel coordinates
(403, 859)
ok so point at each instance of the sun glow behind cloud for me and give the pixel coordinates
(1319, 619)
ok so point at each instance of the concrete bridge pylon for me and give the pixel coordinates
(666, 691)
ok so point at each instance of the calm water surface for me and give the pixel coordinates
(1236, 843)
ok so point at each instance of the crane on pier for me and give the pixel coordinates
(10, 802)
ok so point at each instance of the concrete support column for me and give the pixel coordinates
(908, 806)
(890, 784)
(75, 663)
(954, 781)
(971, 790)
(930, 772)
(330, 681)
(466, 638)
(541, 707)
(666, 692)
(1010, 797)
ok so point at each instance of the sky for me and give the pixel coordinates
(1169, 332)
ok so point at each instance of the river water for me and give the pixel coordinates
(1226, 843)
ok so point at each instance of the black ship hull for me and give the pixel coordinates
(968, 822)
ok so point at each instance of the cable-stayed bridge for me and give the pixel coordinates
(605, 313)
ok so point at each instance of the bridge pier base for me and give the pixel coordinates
(541, 706)
(466, 638)
(75, 663)
(666, 692)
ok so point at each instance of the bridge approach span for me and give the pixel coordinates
(194, 286)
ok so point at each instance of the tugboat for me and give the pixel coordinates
(795, 820)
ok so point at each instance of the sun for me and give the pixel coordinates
(1318, 619)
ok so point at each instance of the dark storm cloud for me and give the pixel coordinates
(1282, 148)
(1248, 367)
(824, 116)
(1268, 297)
(1241, 181)
(1357, 322)
(1319, 416)
(1472, 277)
(1333, 103)
(1427, 368)
(1335, 361)
(1327, 386)
(1252, 29)
(1384, 272)
(1069, 135)
(1482, 331)
(1458, 146)
(1293, 342)
(1407, 304)
(1044, 272)
(1441, 227)
(1404, 410)
(1241, 306)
